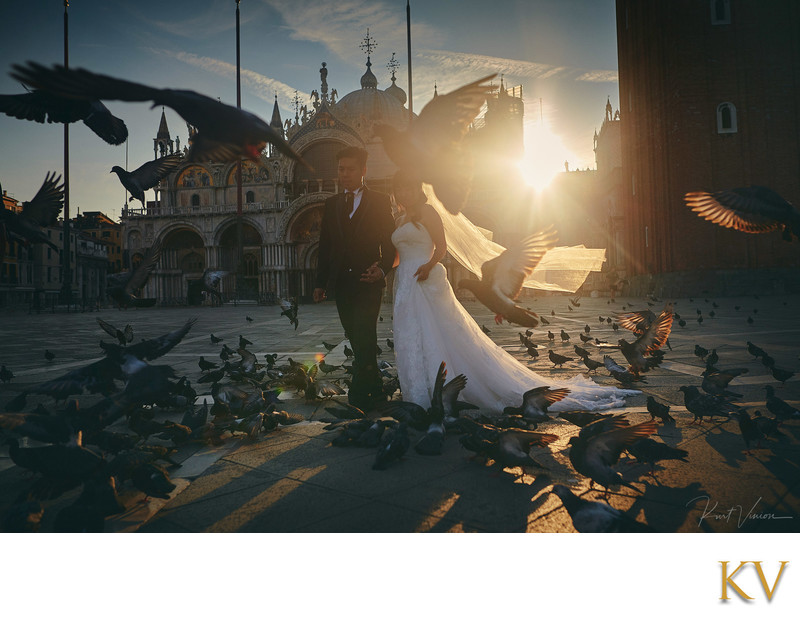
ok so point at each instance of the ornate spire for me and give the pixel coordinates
(163, 130)
(368, 80)
(162, 144)
(275, 121)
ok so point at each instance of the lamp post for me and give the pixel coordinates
(239, 219)
(66, 268)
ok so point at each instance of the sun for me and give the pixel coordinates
(545, 154)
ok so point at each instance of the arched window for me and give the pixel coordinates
(249, 197)
(720, 11)
(250, 264)
(726, 118)
(195, 200)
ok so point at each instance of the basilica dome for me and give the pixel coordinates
(361, 108)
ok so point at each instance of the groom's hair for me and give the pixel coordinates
(357, 153)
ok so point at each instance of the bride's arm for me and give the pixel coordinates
(433, 224)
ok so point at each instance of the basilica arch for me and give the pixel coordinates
(227, 240)
(183, 258)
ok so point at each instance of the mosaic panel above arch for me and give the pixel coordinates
(253, 172)
(296, 209)
(194, 176)
(305, 227)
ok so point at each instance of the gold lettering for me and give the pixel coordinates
(763, 579)
(728, 580)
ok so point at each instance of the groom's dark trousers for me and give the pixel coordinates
(347, 247)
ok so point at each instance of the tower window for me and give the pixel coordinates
(720, 11)
(726, 118)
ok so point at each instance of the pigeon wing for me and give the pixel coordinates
(111, 330)
(543, 397)
(450, 392)
(152, 349)
(656, 334)
(636, 321)
(613, 366)
(150, 173)
(447, 117)
(755, 209)
(47, 203)
(139, 276)
(608, 446)
(508, 271)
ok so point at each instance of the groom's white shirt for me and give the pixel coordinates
(356, 199)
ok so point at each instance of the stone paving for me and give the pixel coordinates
(293, 480)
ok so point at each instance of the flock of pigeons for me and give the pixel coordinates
(506, 440)
(118, 440)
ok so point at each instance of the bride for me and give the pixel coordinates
(431, 326)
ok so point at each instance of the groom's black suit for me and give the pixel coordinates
(347, 247)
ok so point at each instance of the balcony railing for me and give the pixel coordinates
(218, 209)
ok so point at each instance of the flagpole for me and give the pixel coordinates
(239, 218)
(66, 269)
(410, 90)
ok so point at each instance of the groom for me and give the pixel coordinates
(355, 254)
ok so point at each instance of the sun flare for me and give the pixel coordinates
(545, 154)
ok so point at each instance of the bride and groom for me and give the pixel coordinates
(360, 242)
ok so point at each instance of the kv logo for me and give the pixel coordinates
(727, 579)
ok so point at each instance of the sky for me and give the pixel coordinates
(563, 53)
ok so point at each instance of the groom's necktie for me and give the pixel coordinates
(349, 198)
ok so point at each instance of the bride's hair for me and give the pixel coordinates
(406, 179)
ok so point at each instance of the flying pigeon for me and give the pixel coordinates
(42, 106)
(503, 276)
(123, 286)
(38, 213)
(136, 182)
(224, 133)
(431, 148)
(754, 209)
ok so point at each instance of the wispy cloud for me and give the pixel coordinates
(338, 26)
(513, 67)
(260, 85)
(208, 20)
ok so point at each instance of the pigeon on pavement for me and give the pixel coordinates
(589, 516)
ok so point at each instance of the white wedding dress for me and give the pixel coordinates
(431, 326)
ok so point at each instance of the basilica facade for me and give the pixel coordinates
(196, 215)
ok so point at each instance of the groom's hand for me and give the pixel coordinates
(373, 274)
